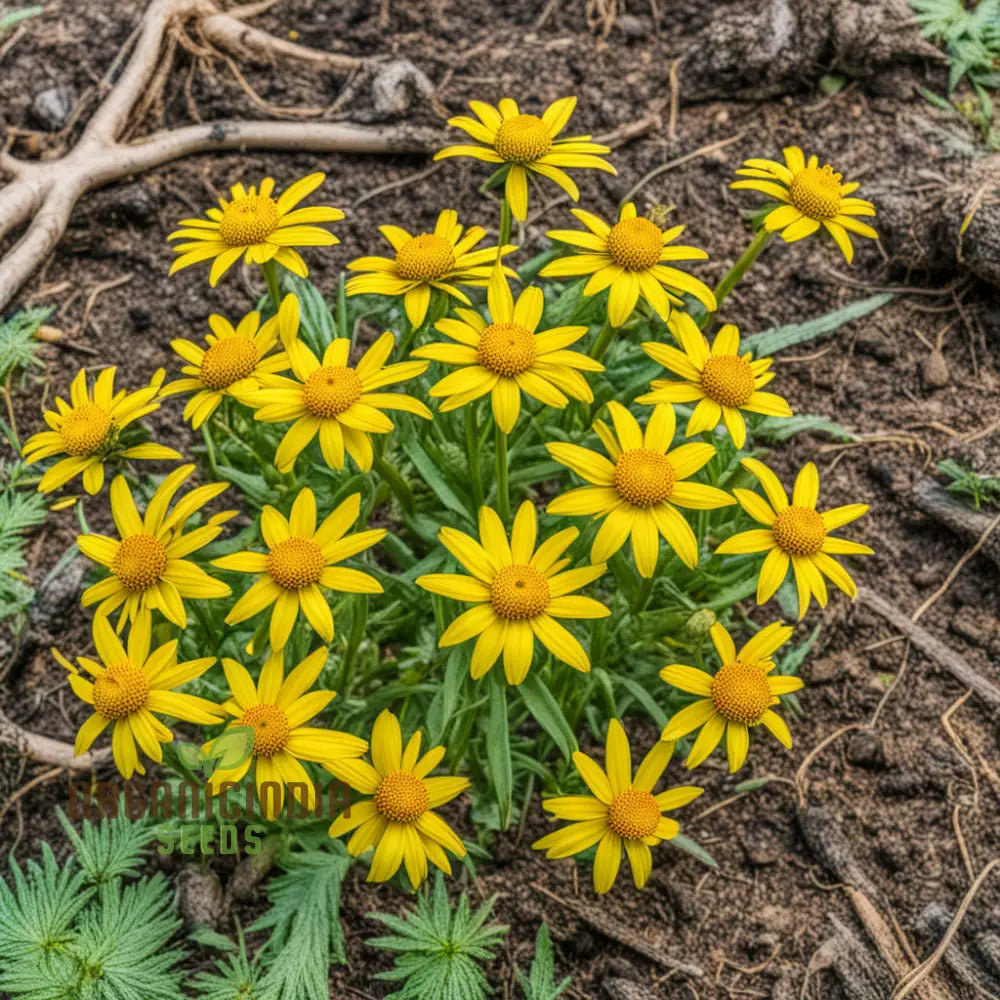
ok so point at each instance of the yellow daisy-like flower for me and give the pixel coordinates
(397, 821)
(148, 568)
(277, 709)
(299, 562)
(738, 697)
(631, 258)
(339, 403)
(621, 812)
(639, 490)
(812, 196)
(128, 687)
(442, 260)
(231, 365)
(86, 431)
(797, 534)
(720, 380)
(258, 227)
(527, 142)
(518, 590)
(506, 356)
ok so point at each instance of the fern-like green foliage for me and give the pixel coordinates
(234, 977)
(439, 950)
(304, 920)
(19, 511)
(970, 33)
(78, 932)
(18, 347)
(113, 848)
(540, 983)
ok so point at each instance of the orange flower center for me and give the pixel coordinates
(519, 592)
(523, 139)
(121, 690)
(249, 220)
(140, 561)
(295, 563)
(331, 390)
(816, 192)
(507, 348)
(227, 361)
(740, 692)
(635, 244)
(634, 814)
(425, 258)
(85, 429)
(728, 379)
(401, 797)
(644, 478)
(270, 726)
(799, 530)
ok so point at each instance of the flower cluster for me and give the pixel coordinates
(290, 363)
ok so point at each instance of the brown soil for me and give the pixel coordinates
(917, 808)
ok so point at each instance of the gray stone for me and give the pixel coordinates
(396, 87)
(53, 107)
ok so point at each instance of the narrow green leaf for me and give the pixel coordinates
(695, 849)
(432, 477)
(539, 701)
(498, 745)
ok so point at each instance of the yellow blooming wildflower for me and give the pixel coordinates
(339, 403)
(231, 365)
(736, 698)
(277, 709)
(721, 380)
(622, 811)
(299, 565)
(506, 356)
(258, 227)
(631, 258)
(442, 260)
(795, 534)
(148, 568)
(86, 430)
(639, 490)
(398, 820)
(518, 590)
(527, 143)
(811, 196)
(128, 687)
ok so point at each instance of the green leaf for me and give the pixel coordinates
(429, 471)
(231, 748)
(16, 16)
(775, 429)
(498, 745)
(770, 342)
(644, 698)
(443, 705)
(539, 701)
(695, 849)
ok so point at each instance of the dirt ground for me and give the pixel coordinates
(915, 799)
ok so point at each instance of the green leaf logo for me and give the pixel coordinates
(189, 754)
(232, 748)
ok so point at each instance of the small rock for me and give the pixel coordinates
(881, 473)
(935, 371)
(199, 898)
(864, 749)
(52, 107)
(926, 576)
(134, 202)
(762, 846)
(142, 319)
(876, 347)
(396, 86)
(826, 670)
(623, 969)
(684, 903)
(631, 26)
(892, 857)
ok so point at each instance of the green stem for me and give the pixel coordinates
(736, 272)
(505, 224)
(399, 486)
(270, 270)
(603, 341)
(642, 597)
(353, 644)
(472, 453)
(503, 489)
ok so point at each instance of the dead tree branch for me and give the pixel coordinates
(43, 194)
